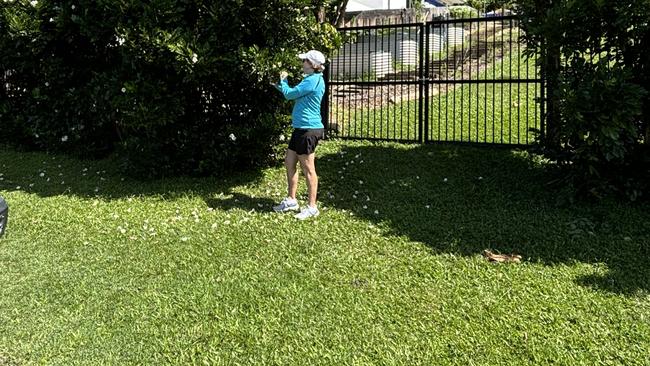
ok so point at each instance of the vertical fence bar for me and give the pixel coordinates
(542, 93)
(503, 60)
(494, 76)
(487, 59)
(510, 84)
(401, 30)
(518, 85)
(408, 100)
(439, 86)
(421, 84)
(447, 84)
(346, 94)
(462, 76)
(469, 89)
(427, 38)
(325, 103)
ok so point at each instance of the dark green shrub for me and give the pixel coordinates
(163, 83)
(597, 61)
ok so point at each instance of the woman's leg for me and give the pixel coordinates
(308, 165)
(290, 162)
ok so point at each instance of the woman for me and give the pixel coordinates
(308, 130)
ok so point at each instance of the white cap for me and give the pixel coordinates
(316, 57)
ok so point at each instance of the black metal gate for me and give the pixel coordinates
(452, 80)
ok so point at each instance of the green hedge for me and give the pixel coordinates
(170, 86)
(598, 64)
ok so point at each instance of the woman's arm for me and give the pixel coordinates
(305, 87)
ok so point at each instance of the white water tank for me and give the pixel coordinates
(436, 42)
(455, 36)
(381, 63)
(408, 53)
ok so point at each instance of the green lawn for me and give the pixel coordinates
(101, 269)
(486, 112)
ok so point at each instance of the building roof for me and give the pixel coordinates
(445, 2)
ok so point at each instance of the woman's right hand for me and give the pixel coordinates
(284, 75)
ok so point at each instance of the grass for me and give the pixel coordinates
(101, 269)
(486, 112)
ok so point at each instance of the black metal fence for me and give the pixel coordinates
(452, 80)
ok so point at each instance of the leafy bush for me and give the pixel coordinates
(462, 12)
(171, 86)
(489, 5)
(596, 56)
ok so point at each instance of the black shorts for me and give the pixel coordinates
(304, 141)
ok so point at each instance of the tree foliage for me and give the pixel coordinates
(171, 86)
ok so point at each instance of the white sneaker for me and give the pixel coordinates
(287, 205)
(307, 212)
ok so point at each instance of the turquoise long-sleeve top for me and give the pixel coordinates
(307, 97)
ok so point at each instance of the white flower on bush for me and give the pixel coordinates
(123, 90)
(73, 7)
(47, 84)
(119, 40)
(195, 58)
(64, 138)
(233, 137)
(34, 2)
(51, 20)
(282, 138)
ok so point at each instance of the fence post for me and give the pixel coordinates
(325, 102)
(427, 81)
(551, 64)
(421, 85)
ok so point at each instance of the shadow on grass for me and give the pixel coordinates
(239, 201)
(55, 175)
(463, 200)
(454, 199)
